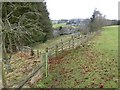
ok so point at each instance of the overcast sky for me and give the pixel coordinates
(68, 9)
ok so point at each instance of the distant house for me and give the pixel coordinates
(74, 22)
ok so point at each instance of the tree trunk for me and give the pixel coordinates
(1, 83)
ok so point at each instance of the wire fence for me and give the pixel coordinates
(41, 69)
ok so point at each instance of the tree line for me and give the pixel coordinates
(23, 24)
(96, 22)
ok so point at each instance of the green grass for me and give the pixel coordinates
(63, 25)
(51, 42)
(92, 66)
(109, 38)
(58, 25)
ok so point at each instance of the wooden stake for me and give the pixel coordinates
(72, 41)
(38, 54)
(46, 62)
(56, 51)
(62, 44)
(69, 44)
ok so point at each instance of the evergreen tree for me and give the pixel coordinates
(25, 23)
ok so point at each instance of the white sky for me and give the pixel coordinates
(68, 9)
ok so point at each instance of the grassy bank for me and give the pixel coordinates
(94, 66)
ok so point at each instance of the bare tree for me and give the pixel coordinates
(97, 21)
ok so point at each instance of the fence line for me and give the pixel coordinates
(29, 77)
(54, 50)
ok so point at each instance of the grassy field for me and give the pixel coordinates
(93, 66)
(58, 25)
(51, 42)
(63, 25)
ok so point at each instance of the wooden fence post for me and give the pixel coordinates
(56, 50)
(62, 44)
(46, 62)
(38, 54)
(79, 38)
(32, 52)
(41, 58)
(69, 44)
(3, 77)
(72, 41)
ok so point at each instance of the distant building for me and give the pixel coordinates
(74, 22)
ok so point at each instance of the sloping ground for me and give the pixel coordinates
(93, 66)
(22, 64)
(51, 42)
